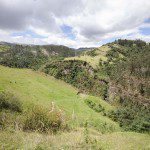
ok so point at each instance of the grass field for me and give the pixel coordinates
(74, 140)
(34, 88)
(37, 88)
(93, 60)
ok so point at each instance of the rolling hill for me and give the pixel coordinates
(35, 88)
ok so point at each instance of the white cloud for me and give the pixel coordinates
(91, 20)
(138, 36)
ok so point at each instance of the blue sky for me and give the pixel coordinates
(29, 33)
(74, 23)
(68, 31)
(145, 31)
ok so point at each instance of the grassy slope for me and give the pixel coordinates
(33, 87)
(36, 88)
(93, 61)
(75, 140)
(100, 55)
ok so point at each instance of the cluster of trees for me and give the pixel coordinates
(131, 43)
(80, 74)
(92, 52)
(134, 68)
(23, 57)
(132, 115)
(130, 75)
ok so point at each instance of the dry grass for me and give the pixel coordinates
(75, 140)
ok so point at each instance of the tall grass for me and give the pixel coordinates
(44, 120)
(10, 102)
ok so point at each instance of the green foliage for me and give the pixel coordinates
(95, 106)
(128, 68)
(86, 133)
(92, 53)
(23, 57)
(9, 102)
(80, 74)
(4, 48)
(44, 120)
(132, 116)
(130, 43)
(135, 69)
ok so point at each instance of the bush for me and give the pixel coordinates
(9, 102)
(95, 106)
(43, 120)
(132, 116)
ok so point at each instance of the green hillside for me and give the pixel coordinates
(32, 56)
(78, 73)
(124, 65)
(35, 88)
(93, 56)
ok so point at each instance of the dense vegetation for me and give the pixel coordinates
(132, 115)
(80, 74)
(35, 102)
(129, 79)
(58, 50)
(125, 66)
(24, 56)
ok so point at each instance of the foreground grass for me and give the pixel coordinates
(74, 140)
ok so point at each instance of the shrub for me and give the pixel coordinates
(10, 102)
(43, 120)
(95, 106)
(132, 116)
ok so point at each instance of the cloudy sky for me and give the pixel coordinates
(74, 23)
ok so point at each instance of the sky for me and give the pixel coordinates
(74, 23)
